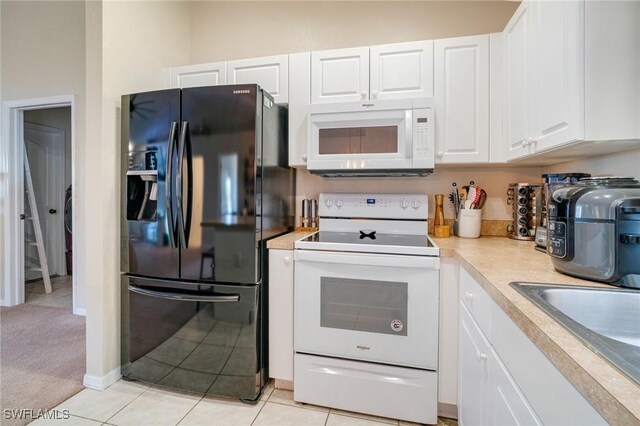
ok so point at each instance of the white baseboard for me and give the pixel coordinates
(3, 303)
(80, 311)
(447, 410)
(103, 382)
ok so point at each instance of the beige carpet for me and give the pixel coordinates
(43, 357)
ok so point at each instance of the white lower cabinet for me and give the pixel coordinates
(281, 314)
(507, 404)
(473, 372)
(503, 378)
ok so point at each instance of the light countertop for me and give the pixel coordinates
(495, 262)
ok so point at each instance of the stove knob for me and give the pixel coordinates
(328, 202)
(404, 204)
(415, 204)
(339, 202)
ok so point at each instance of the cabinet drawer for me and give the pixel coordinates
(477, 301)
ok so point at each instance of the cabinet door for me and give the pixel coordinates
(507, 404)
(473, 372)
(340, 75)
(559, 73)
(271, 73)
(518, 37)
(281, 314)
(299, 100)
(402, 70)
(211, 74)
(462, 99)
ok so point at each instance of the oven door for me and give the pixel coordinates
(371, 307)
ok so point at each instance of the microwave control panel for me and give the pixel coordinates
(423, 138)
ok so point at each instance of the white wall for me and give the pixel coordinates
(43, 54)
(234, 30)
(59, 118)
(138, 39)
(620, 164)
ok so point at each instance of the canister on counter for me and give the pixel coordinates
(306, 213)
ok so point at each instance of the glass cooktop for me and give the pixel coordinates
(369, 242)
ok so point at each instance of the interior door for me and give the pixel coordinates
(219, 141)
(45, 151)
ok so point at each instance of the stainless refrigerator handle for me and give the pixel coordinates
(168, 183)
(227, 298)
(179, 178)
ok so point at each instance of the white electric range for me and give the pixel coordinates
(366, 305)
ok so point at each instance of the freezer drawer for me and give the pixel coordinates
(382, 390)
(194, 337)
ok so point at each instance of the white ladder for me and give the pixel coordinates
(35, 221)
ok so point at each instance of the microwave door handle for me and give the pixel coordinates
(169, 183)
(408, 122)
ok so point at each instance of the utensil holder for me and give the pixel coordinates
(470, 223)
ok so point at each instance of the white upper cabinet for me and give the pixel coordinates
(299, 100)
(558, 110)
(271, 73)
(390, 71)
(517, 86)
(402, 70)
(340, 75)
(461, 95)
(572, 75)
(211, 74)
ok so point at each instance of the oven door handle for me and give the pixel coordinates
(367, 259)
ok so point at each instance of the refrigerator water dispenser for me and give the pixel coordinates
(142, 186)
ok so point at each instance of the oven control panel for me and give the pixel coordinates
(379, 206)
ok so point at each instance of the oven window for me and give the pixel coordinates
(359, 140)
(364, 305)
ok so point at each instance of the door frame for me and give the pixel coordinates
(59, 135)
(12, 166)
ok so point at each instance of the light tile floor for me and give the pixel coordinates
(60, 297)
(133, 403)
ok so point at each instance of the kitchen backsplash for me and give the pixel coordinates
(495, 180)
(620, 164)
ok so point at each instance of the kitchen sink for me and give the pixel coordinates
(607, 320)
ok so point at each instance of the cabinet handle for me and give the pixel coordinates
(287, 260)
(531, 141)
(374, 95)
(363, 96)
(481, 356)
(440, 154)
(468, 295)
(525, 143)
(304, 157)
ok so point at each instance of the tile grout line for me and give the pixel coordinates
(264, 404)
(191, 409)
(127, 404)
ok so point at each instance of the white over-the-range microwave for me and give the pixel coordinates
(390, 137)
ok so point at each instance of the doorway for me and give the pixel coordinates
(47, 141)
(28, 118)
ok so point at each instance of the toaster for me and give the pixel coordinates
(594, 230)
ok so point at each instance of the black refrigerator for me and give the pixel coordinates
(205, 183)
